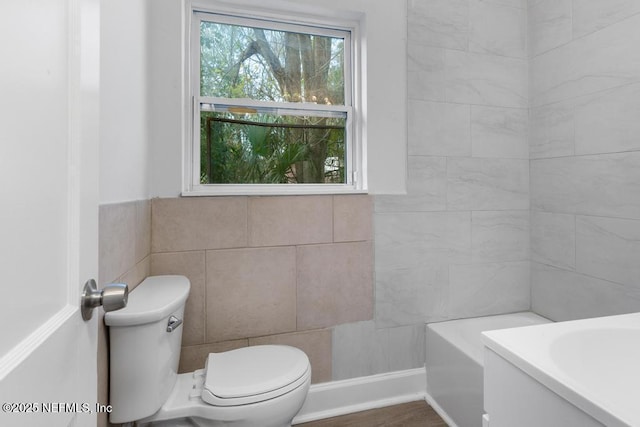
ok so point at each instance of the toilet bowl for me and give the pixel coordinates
(257, 386)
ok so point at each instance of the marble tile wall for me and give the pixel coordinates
(585, 157)
(457, 245)
(362, 349)
(288, 270)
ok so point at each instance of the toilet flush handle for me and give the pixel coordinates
(173, 323)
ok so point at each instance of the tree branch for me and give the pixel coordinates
(263, 48)
(234, 70)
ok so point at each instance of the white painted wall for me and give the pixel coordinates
(386, 94)
(124, 136)
(165, 96)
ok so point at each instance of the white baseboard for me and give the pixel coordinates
(326, 400)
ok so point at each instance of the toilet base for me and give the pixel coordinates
(185, 408)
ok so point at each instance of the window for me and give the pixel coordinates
(273, 107)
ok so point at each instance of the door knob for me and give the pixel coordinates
(112, 297)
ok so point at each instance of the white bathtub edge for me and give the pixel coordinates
(335, 398)
(443, 414)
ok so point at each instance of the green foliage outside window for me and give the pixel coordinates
(248, 145)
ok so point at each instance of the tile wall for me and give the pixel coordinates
(284, 270)
(585, 157)
(457, 245)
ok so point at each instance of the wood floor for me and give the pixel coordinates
(414, 414)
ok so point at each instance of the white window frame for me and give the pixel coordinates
(354, 148)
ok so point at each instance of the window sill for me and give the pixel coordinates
(271, 190)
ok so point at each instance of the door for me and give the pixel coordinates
(49, 88)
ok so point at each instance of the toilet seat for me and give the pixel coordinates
(253, 374)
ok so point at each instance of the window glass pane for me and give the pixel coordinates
(269, 65)
(245, 147)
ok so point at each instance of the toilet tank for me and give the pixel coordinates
(144, 355)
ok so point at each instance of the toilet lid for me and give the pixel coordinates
(253, 374)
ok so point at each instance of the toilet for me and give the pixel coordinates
(256, 386)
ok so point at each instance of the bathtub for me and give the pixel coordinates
(454, 364)
(576, 373)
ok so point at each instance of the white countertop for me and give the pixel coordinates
(592, 363)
